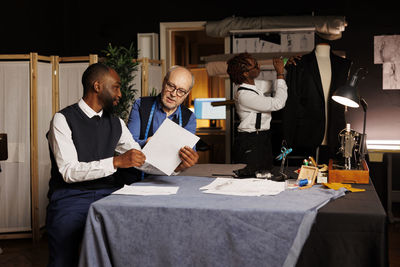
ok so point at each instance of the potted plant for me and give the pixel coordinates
(121, 59)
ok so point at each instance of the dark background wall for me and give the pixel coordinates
(77, 27)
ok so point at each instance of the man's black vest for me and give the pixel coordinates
(146, 104)
(94, 139)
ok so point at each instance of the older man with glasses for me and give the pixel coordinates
(148, 113)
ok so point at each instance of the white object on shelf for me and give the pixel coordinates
(148, 45)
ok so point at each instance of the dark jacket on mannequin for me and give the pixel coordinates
(304, 113)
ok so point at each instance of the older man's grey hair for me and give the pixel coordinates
(171, 69)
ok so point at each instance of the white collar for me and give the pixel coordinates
(249, 86)
(88, 110)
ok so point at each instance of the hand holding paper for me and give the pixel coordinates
(188, 156)
(131, 158)
(166, 149)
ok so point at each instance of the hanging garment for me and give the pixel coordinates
(304, 112)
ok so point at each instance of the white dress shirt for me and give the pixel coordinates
(66, 156)
(248, 104)
(322, 53)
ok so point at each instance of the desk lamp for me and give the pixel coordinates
(348, 95)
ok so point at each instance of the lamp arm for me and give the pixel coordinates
(363, 141)
(364, 104)
(355, 77)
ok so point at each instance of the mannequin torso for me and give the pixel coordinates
(322, 53)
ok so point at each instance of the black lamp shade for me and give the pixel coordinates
(347, 95)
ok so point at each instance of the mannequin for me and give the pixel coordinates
(322, 53)
(311, 119)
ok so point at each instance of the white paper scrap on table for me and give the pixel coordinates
(162, 150)
(147, 190)
(244, 187)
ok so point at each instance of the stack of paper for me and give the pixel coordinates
(244, 187)
(147, 190)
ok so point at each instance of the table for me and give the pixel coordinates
(376, 151)
(349, 231)
(197, 229)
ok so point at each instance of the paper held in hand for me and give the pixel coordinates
(162, 150)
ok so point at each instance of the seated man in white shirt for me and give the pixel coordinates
(87, 145)
(252, 145)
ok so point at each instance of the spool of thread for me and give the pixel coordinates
(303, 182)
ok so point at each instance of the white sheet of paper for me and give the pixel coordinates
(244, 187)
(162, 150)
(150, 169)
(147, 190)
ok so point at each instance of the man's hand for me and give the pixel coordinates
(188, 156)
(278, 65)
(131, 158)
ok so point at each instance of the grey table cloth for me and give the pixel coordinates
(192, 228)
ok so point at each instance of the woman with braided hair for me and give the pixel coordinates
(253, 143)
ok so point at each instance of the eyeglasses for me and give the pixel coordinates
(170, 87)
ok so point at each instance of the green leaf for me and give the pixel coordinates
(121, 60)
